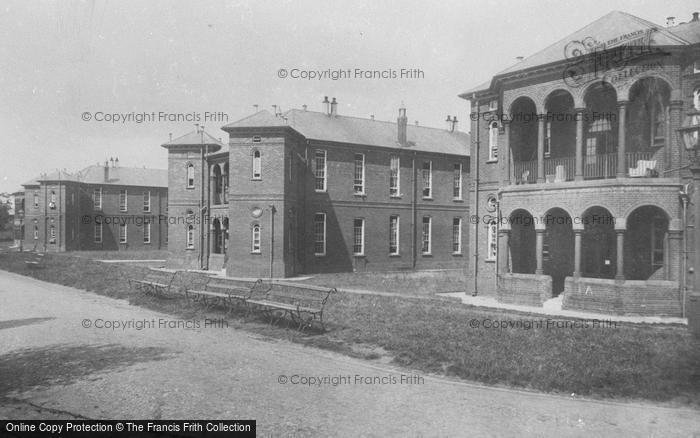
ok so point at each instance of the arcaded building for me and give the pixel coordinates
(308, 192)
(582, 172)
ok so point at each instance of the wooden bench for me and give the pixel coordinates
(303, 303)
(156, 282)
(36, 261)
(223, 291)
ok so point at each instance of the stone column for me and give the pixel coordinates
(620, 272)
(579, 144)
(621, 131)
(577, 252)
(540, 149)
(503, 247)
(212, 187)
(539, 247)
(506, 158)
(672, 153)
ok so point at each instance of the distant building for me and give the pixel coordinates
(583, 172)
(102, 207)
(308, 192)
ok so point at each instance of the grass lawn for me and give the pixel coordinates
(627, 361)
(120, 255)
(406, 283)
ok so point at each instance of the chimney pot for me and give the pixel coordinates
(402, 124)
(334, 107)
(170, 134)
(326, 105)
(448, 123)
(670, 21)
(695, 16)
(304, 107)
(519, 58)
(454, 123)
(371, 117)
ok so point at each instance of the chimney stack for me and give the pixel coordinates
(695, 16)
(448, 123)
(454, 123)
(371, 116)
(106, 171)
(519, 58)
(171, 136)
(334, 108)
(116, 162)
(326, 105)
(670, 21)
(304, 107)
(402, 123)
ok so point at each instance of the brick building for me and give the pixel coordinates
(102, 207)
(582, 174)
(308, 192)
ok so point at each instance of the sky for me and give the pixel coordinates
(67, 66)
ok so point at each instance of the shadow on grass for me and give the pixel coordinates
(20, 322)
(64, 364)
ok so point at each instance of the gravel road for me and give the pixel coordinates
(60, 358)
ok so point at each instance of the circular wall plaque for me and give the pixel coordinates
(257, 212)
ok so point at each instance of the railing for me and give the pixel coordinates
(599, 166)
(525, 172)
(559, 169)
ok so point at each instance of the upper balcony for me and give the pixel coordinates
(599, 138)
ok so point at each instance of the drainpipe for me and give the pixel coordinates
(476, 200)
(684, 263)
(207, 230)
(413, 211)
(272, 237)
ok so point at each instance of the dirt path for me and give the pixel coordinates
(53, 367)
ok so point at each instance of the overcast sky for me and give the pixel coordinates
(62, 59)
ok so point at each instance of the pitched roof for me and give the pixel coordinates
(354, 130)
(195, 138)
(688, 31)
(613, 29)
(95, 174)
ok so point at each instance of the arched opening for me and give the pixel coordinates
(190, 175)
(560, 137)
(523, 140)
(522, 242)
(600, 132)
(218, 238)
(217, 184)
(558, 248)
(646, 244)
(648, 125)
(598, 244)
(257, 164)
(224, 232)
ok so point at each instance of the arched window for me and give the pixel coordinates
(190, 176)
(696, 98)
(493, 141)
(257, 165)
(255, 239)
(491, 239)
(190, 237)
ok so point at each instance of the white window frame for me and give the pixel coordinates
(36, 200)
(125, 237)
(97, 198)
(428, 234)
(457, 182)
(36, 232)
(361, 244)
(257, 164)
(457, 235)
(52, 233)
(321, 172)
(547, 138)
(323, 235)
(147, 232)
(394, 235)
(189, 237)
(98, 232)
(189, 175)
(491, 240)
(493, 141)
(427, 181)
(395, 176)
(123, 207)
(147, 201)
(359, 175)
(256, 239)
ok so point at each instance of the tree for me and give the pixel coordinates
(5, 218)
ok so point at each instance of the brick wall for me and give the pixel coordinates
(525, 289)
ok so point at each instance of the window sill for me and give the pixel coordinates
(492, 161)
(426, 254)
(359, 255)
(457, 254)
(490, 260)
(189, 188)
(256, 179)
(360, 195)
(427, 198)
(394, 255)
(395, 196)
(319, 255)
(255, 253)
(457, 200)
(189, 249)
(146, 243)
(320, 191)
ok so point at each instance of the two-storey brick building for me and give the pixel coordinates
(582, 172)
(307, 192)
(102, 207)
